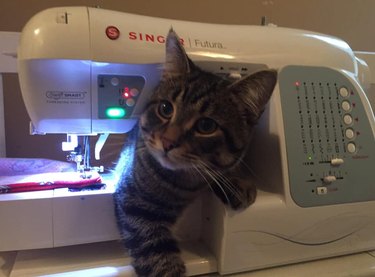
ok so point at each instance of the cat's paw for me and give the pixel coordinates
(163, 265)
(244, 196)
(171, 266)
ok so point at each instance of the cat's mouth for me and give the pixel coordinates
(168, 162)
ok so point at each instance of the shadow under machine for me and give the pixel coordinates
(87, 71)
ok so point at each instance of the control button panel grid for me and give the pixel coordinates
(315, 103)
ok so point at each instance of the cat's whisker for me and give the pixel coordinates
(255, 176)
(193, 171)
(218, 177)
(242, 162)
(228, 184)
(197, 169)
(213, 179)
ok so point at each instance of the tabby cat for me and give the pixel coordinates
(192, 134)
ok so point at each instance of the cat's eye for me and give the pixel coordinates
(206, 126)
(165, 109)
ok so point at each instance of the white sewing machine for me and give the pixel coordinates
(88, 71)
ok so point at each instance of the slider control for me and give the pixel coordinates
(235, 75)
(337, 161)
(329, 179)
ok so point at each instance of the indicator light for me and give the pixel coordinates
(125, 92)
(297, 84)
(115, 112)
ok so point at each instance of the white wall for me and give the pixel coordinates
(8, 63)
(2, 121)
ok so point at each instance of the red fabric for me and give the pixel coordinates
(48, 181)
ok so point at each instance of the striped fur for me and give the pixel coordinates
(193, 133)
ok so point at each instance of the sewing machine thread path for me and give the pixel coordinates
(84, 90)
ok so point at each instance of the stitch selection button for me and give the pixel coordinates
(346, 106)
(348, 119)
(351, 147)
(344, 92)
(349, 133)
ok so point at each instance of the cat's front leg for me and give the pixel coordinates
(150, 242)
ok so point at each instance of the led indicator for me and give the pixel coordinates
(115, 112)
(125, 93)
(297, 84)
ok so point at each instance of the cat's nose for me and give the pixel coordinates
(168, 144)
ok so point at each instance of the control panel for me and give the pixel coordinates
(118, 95)
(330, 142)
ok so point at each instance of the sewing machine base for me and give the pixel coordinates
(264, 238)
(109, 259)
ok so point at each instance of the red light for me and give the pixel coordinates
(297, 84)
(125, 92)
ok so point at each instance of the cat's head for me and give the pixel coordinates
(197, 118)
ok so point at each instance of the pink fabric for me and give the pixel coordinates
(47, 181)
(22, 166)
(22, 174)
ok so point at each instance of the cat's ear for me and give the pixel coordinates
(255, 90)
(177, 63)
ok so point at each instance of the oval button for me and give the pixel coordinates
(346, 106)
(130, 102)
(349, 133)
(351, 147)
(348, 119)
(134, 92)
(115, 81)
(344, 92)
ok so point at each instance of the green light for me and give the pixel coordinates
(310, 158)
(115, 112)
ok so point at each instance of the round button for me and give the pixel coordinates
(130, 102)
(348, 119)
(349, 133)
(134, 92)
(114, 81)
(112, 32)
(344, 92)
(346, 106)
(351, 147)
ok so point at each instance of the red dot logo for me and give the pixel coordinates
(112, 32)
